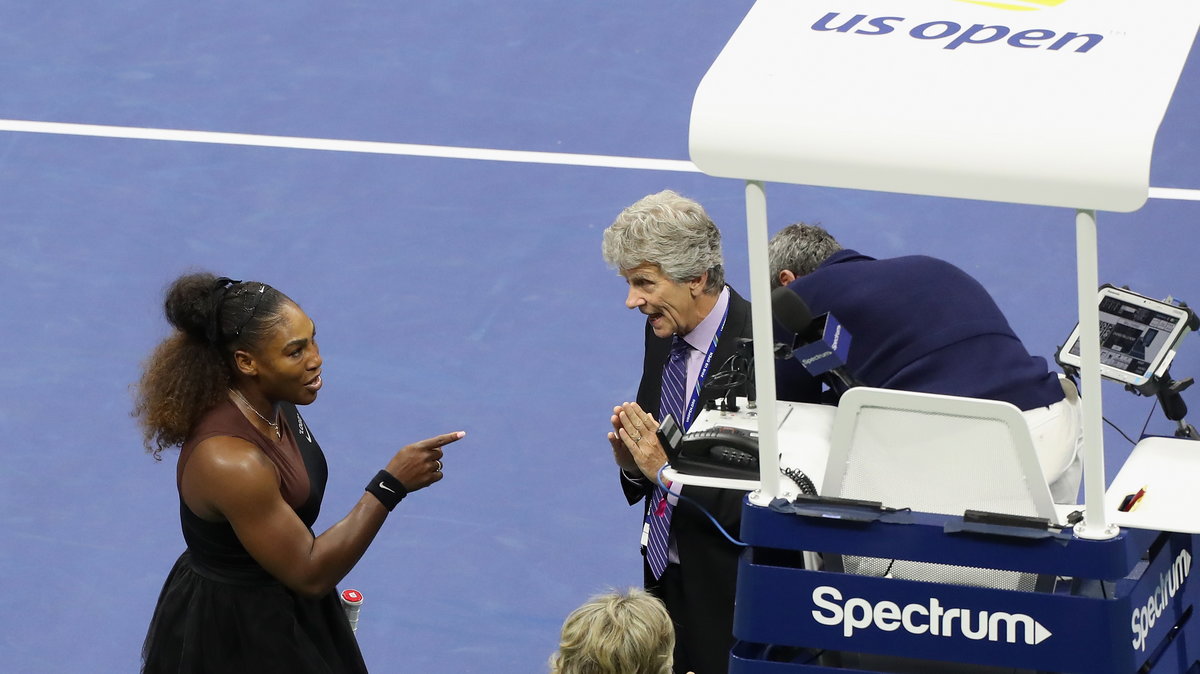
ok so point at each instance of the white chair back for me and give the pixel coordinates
(938, 454)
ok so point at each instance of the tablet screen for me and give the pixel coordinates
(1133, 338)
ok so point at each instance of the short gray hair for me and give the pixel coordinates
(617, 633)
(671, 231)
(800, 249)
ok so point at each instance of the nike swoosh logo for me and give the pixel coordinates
(384, 486)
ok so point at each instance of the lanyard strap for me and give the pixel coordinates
(690, 411)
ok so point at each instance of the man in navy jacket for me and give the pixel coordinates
(921, 324)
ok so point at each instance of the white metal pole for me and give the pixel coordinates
(1094, 525)
(764, 342)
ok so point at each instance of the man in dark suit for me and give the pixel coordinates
(669, 252)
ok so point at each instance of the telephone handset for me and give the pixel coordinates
(721, 451)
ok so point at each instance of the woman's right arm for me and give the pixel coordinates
(231, 479)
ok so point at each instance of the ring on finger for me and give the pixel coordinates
(439, 465)
(636, 438)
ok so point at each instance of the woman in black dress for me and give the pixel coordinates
(255, 591)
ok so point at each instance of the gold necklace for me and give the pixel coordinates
(274, 426)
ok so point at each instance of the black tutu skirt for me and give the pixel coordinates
(206, 623)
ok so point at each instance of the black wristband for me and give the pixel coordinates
(387, 489)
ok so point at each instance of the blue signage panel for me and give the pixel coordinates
(1161, 596)
(844, 612)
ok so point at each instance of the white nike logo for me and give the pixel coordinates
(384, 486)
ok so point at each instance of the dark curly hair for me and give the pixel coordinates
(189, 372)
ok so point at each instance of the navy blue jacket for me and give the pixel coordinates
(919, 324)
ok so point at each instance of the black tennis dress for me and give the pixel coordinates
(222, 613)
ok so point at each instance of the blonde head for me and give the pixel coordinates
(616, 633)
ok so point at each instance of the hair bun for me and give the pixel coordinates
(189, 306)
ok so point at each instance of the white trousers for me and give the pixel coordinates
(1057, 433)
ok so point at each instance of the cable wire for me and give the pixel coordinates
(699, 507)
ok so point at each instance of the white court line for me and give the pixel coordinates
(1174, 193)
(407, 149)
(334, 145)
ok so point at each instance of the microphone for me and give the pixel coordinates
(791, 312)
(823, 343)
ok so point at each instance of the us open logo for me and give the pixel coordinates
(1018, 5)
(952, 34)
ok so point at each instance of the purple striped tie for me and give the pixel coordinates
(658, 516)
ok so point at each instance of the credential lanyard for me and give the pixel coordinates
(690, 411)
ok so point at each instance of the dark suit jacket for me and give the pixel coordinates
(707, 561)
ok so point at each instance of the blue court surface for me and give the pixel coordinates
(450, 293)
